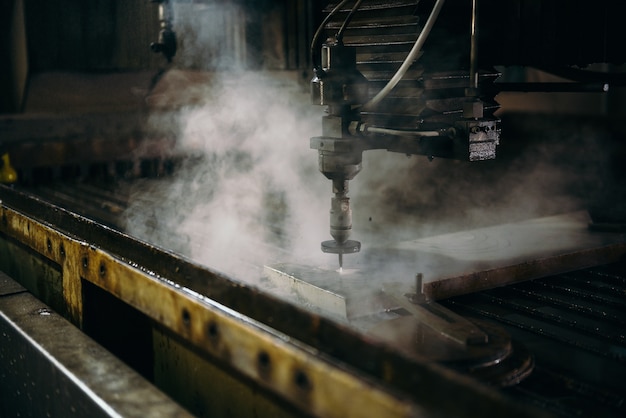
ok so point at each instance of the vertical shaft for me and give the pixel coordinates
(340, 212)
(474, 48)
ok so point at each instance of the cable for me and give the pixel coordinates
(397, 132)
(319, 30)
(339, 35)
(474, 48)
(408, 61)
(360, 129)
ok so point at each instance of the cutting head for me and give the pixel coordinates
(347, 247)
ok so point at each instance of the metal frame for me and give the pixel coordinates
(319, 366)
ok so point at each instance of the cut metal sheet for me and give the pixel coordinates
(464, 262)
(344, 296)
(452, 264)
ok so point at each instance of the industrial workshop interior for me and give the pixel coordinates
(288, 208)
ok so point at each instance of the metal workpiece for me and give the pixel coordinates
(303, 359)
(477, 348)
(484, 258)
(345, 295)
(499, 362)
(463, 262)
(449, 324)
(50, 368)
(410, 323)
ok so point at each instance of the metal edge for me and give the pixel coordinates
(532, 269)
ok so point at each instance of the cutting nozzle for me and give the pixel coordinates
(347, 247)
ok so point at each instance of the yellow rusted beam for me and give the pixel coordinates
(296, 372)
(316, 366)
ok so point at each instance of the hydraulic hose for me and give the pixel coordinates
(319, 30)
(408, 61)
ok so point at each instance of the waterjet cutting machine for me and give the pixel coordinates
(407, 76)
(397, 76)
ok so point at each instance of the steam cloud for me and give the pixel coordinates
(250, 193)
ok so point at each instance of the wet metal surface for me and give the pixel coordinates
(408, 322)
(465, 262)
(452, 264)
(9, 286)
(344, 295)
(50, 368)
